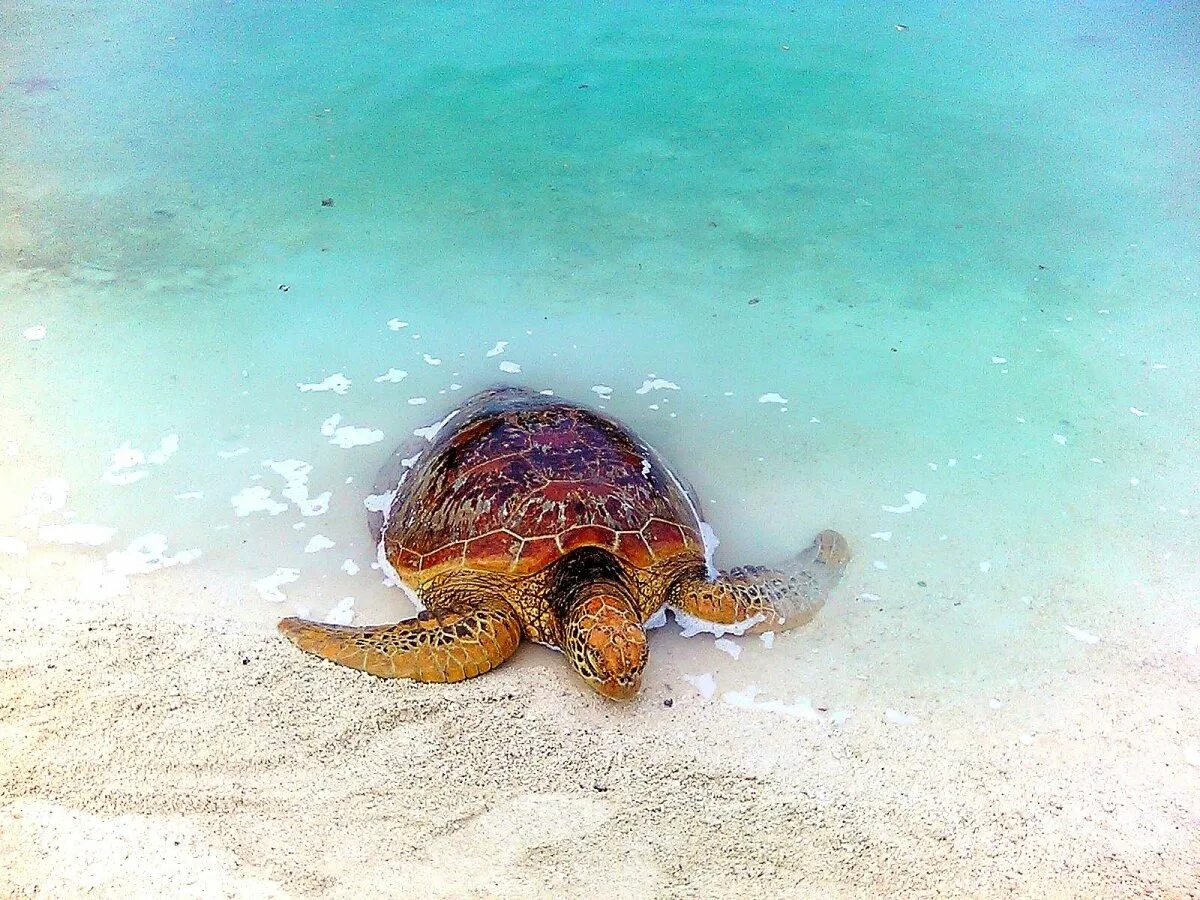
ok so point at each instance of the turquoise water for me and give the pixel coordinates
(965, 254)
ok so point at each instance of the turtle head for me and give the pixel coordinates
(605, 641)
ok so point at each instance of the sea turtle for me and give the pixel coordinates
(527, 516)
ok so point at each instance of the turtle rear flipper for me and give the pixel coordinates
(753, 599)
(450, 646)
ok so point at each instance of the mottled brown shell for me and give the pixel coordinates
(515, 480)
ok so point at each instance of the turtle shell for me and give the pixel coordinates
(512, 481)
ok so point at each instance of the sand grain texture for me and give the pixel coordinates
(144, 754)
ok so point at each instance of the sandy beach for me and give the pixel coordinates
(147, 754)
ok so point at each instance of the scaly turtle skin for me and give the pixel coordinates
(526, 516)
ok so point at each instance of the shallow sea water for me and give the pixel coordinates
(956, 263)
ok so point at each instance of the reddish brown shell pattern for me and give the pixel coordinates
(515, 480)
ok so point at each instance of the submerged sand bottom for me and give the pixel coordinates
(142, 754)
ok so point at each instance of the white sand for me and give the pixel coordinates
(145, 753)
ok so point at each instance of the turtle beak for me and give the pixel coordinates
(615, 690)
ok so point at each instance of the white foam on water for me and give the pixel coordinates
(143, 555)
(126, 477)
(690, 626)
(497, 349)
(269, 587)
(511, 368)
(147, 554)
(705, 684)
(431, 360)
(125, 457)
(317, 543)
(768, 639)
(379, 503)
(711, 542)
(727, 646)
(167, 448)
(254, 499)
(772, 398)
(392, 376)
(348, 436)
(342, 613)
(656, 384)
(350, 567)
(391, 577)
(430, 432)
(34, 333)
(295, 473)
(396, 324)
(912, 500)
(338, 383)
(747, 698)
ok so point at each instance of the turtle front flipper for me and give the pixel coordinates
(753, 599)
(448, 646)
